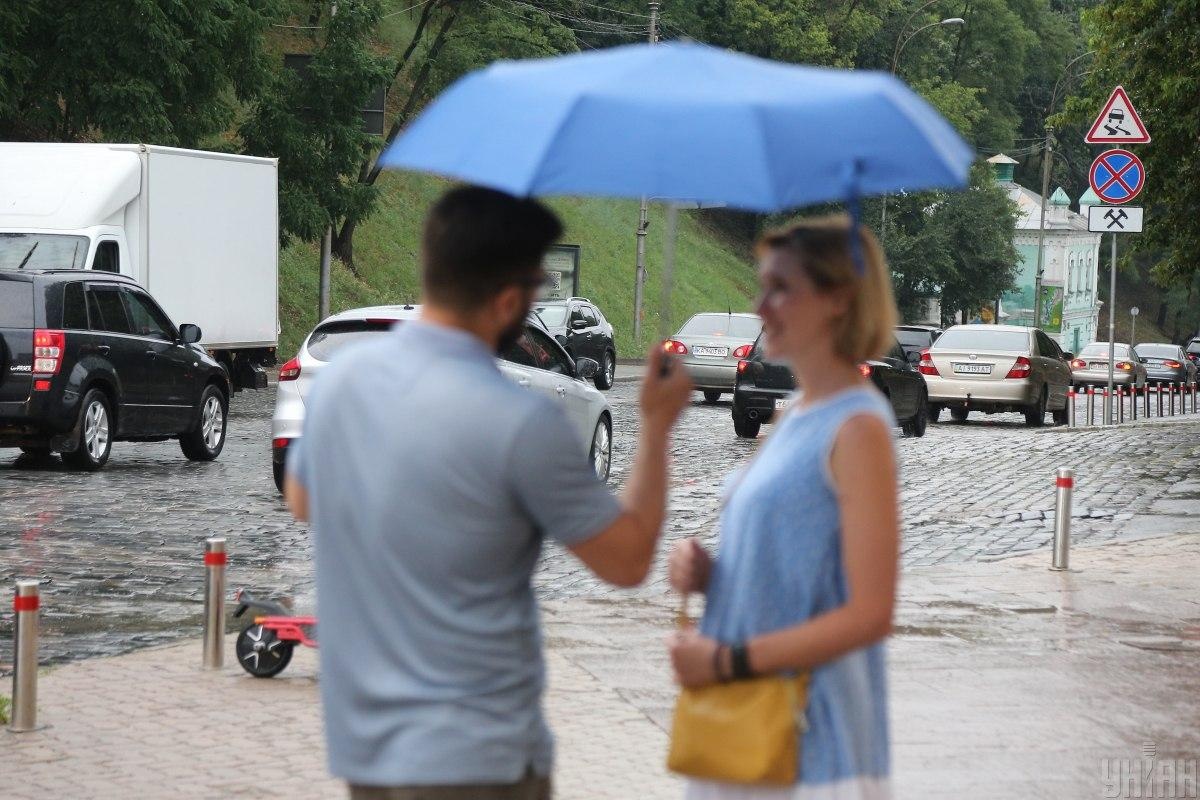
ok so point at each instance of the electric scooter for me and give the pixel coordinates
(265, 648)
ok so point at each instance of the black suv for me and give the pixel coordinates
(583, 331)
(761, 388)
(88, 358)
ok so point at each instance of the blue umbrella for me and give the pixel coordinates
(688, 122)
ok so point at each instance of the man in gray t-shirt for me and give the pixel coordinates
(431, 481)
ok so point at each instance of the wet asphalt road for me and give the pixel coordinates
(119, 551)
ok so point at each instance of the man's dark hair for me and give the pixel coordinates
(477, 241)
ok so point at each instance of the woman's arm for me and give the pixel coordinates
(863, 464)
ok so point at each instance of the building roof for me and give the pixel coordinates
(1000, 158)
(1029, 209)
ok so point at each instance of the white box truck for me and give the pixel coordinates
(199, 230)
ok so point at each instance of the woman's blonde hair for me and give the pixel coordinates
(821, 247)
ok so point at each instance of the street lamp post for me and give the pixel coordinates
(901, 41)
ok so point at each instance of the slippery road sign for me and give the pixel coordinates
(1118, 122)
(1115, 219)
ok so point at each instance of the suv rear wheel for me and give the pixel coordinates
(607, 372)
(206, 440)
(744, 428)
(95, 433)
(916, 426)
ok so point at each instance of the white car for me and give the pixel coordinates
(536, 361)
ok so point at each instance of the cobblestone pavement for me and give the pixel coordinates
(119, 551)
(1007, 680)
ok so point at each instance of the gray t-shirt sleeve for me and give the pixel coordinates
(296, 464)
(553, 480)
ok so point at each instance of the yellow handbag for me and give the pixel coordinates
(744, 731)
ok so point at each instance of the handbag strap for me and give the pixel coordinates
(683, 617)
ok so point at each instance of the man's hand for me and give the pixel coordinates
(693, 658)
(689, 566)
(663, 397)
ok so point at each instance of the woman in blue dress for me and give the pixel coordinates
(805, 574)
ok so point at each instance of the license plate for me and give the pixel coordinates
(781, 405)
(711, 351)
(1098, 364)
(972, 369)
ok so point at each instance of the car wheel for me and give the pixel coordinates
(95, 433)
(711, 396)
(1035, 415)
(935, 412)
(277, 472)
(959, 413)
(601, 452)
(920, 421)
(607, 374)
(745, 429)
(206, 440)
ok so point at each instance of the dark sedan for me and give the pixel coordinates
(1166, 362)
(762, 389)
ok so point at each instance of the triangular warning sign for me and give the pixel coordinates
(1118, 123)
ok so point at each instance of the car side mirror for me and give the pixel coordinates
(578, 324)
(586, 368)
(1067, 355)
(189, 333)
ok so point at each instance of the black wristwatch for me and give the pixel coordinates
(739, 659)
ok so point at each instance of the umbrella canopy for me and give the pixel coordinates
(684, 121)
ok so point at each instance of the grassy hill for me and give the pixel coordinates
(712, 273)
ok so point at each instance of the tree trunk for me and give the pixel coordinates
(344, 240)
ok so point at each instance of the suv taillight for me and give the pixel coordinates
(1079, 363)
(48, 348)
(925, 365)
(743, 366)
(290, 371)
(675, 348)
(742, 351)
(1020, 369)
(864, 370)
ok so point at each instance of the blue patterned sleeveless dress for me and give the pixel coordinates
(780, 564)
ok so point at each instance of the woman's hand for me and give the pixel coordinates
(689, 566)
(692, 656)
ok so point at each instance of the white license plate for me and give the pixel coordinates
(781, 405)
(1098, 365)
(972, 369)
(711, 351)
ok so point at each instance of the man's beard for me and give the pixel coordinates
(510, 335)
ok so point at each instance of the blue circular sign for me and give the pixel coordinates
(1117, 176)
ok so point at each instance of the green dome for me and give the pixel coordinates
(1059, 198)
(1089, 198)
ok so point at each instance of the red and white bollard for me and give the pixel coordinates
(25, 657)
(1071, 406)
(1064, 485)
(215, 559)
(1120, 404)
(1091, 406)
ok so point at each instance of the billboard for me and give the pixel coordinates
(562, 272)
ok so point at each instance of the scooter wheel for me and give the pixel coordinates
(261, 652)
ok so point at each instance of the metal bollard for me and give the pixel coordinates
(1182, 400)
(1071, 406)
(1091, 406)
(1065, 483)
(1121, 405)
(1171, 397)
(1146, 401)
(1193, 396)
(25, 657)
(1158, 390)
(1133, 400)
(215, 560)
(1105, 407)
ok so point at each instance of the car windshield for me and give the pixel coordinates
(1100, 350)
(913, 338)
(333, 336)
(993, 338)
(722, 325)
(1157, 351)
(553, 316)
(42, 251)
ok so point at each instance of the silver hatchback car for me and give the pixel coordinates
(993, 368)
(709, 346)
(536, 361)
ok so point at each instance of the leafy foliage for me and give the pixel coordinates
(159, 71)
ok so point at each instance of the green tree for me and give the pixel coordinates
(161, 71)
(1152, 48)
(312, 121)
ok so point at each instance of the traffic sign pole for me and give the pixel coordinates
(1112, 326)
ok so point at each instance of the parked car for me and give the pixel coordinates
(1166, 362)
(583, 330)
(87, 359)
(710, 345)
(1193, 351)
(763, 389)
(537, 361)
(915, 338)
(995, 368)
(1090, 367)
